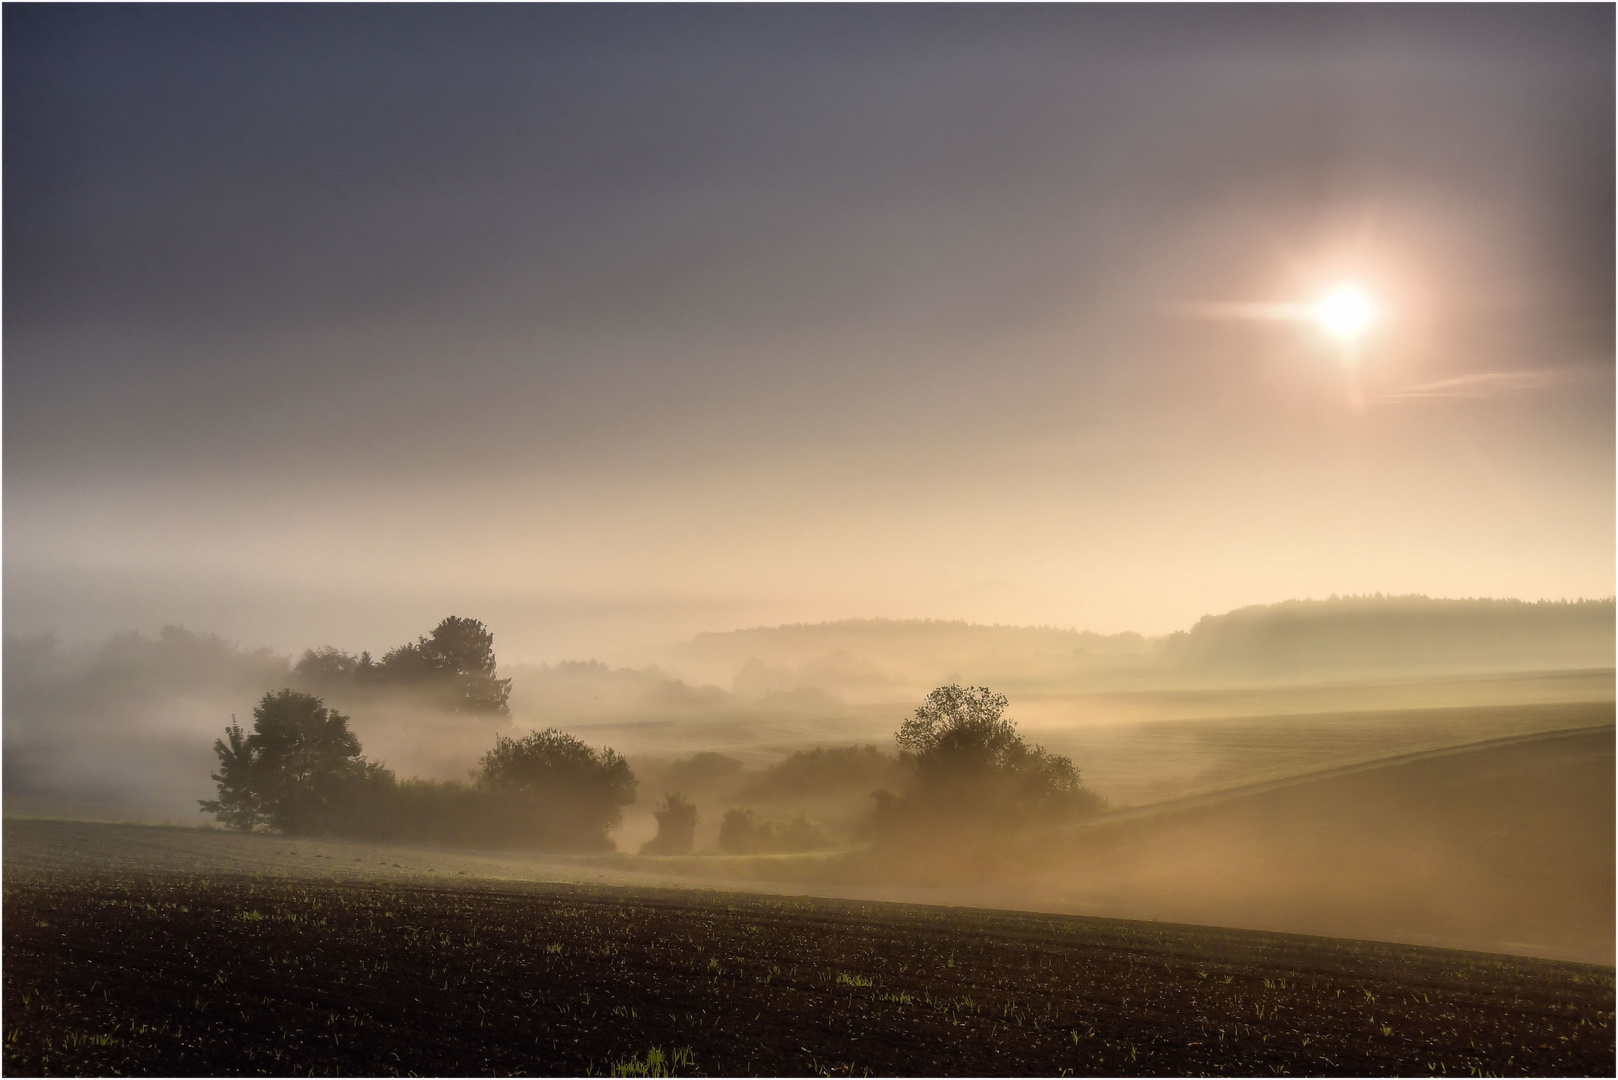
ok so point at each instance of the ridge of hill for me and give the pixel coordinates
(1398, 633)
(1337, 637)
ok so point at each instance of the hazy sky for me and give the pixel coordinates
(611, 324)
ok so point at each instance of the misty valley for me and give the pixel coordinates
(662, 870)
(908, 539)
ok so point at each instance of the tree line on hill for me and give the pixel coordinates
(1360, 634)
(1337, 637)
(300, 770)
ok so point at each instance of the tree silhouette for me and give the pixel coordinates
(297, 772)
(973, 770)
(454, 664)
(237, 806)
(458, 656)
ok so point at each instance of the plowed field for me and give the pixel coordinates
(175, 974)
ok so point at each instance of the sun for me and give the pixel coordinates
(1345, 313)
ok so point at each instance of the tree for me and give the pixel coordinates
(298, 771)
(676, 827)
(971, 767)
(455, 664)
(331, 668)
(237, 806)
(458, 656)
(573, 795)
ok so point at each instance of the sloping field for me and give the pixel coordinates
(184, 951)
(1135, 762)
(172, 974)
(1505, 845)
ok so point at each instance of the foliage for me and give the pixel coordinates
(297, 772)
(655, 1063)
(703, 771)
(329, 667)
(454, 665)
(676, 827)
(547, 791)
(743, 832)
(971, 769)
(455, 814)
(300, 771)
(825, 770)
(571, 793)
(459, 656)
(236, 807)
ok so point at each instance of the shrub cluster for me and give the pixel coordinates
(971, 772)
(301, 771)
(824, 771)
(743, 832)
(676, 827)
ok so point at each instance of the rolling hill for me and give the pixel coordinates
(1505, 845)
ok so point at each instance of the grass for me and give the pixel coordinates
(654, 1063)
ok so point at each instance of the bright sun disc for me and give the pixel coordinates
(1345, 313)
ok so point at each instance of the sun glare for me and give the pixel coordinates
(1345, 313)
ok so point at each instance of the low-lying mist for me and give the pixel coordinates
(1506, 847)
(1502, 849)
(126, 728)
(790, 752)
(1312, 641)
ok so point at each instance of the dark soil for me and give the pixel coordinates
(174, 975)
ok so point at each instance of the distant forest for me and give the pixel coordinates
(1397, 634)
(1337, 637)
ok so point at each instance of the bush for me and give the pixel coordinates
(676, 828)
(742, 832)
(824, 771)
(463, 815)
(561, 793)
(971, 770)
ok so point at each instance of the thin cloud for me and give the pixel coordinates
(1486, 384)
